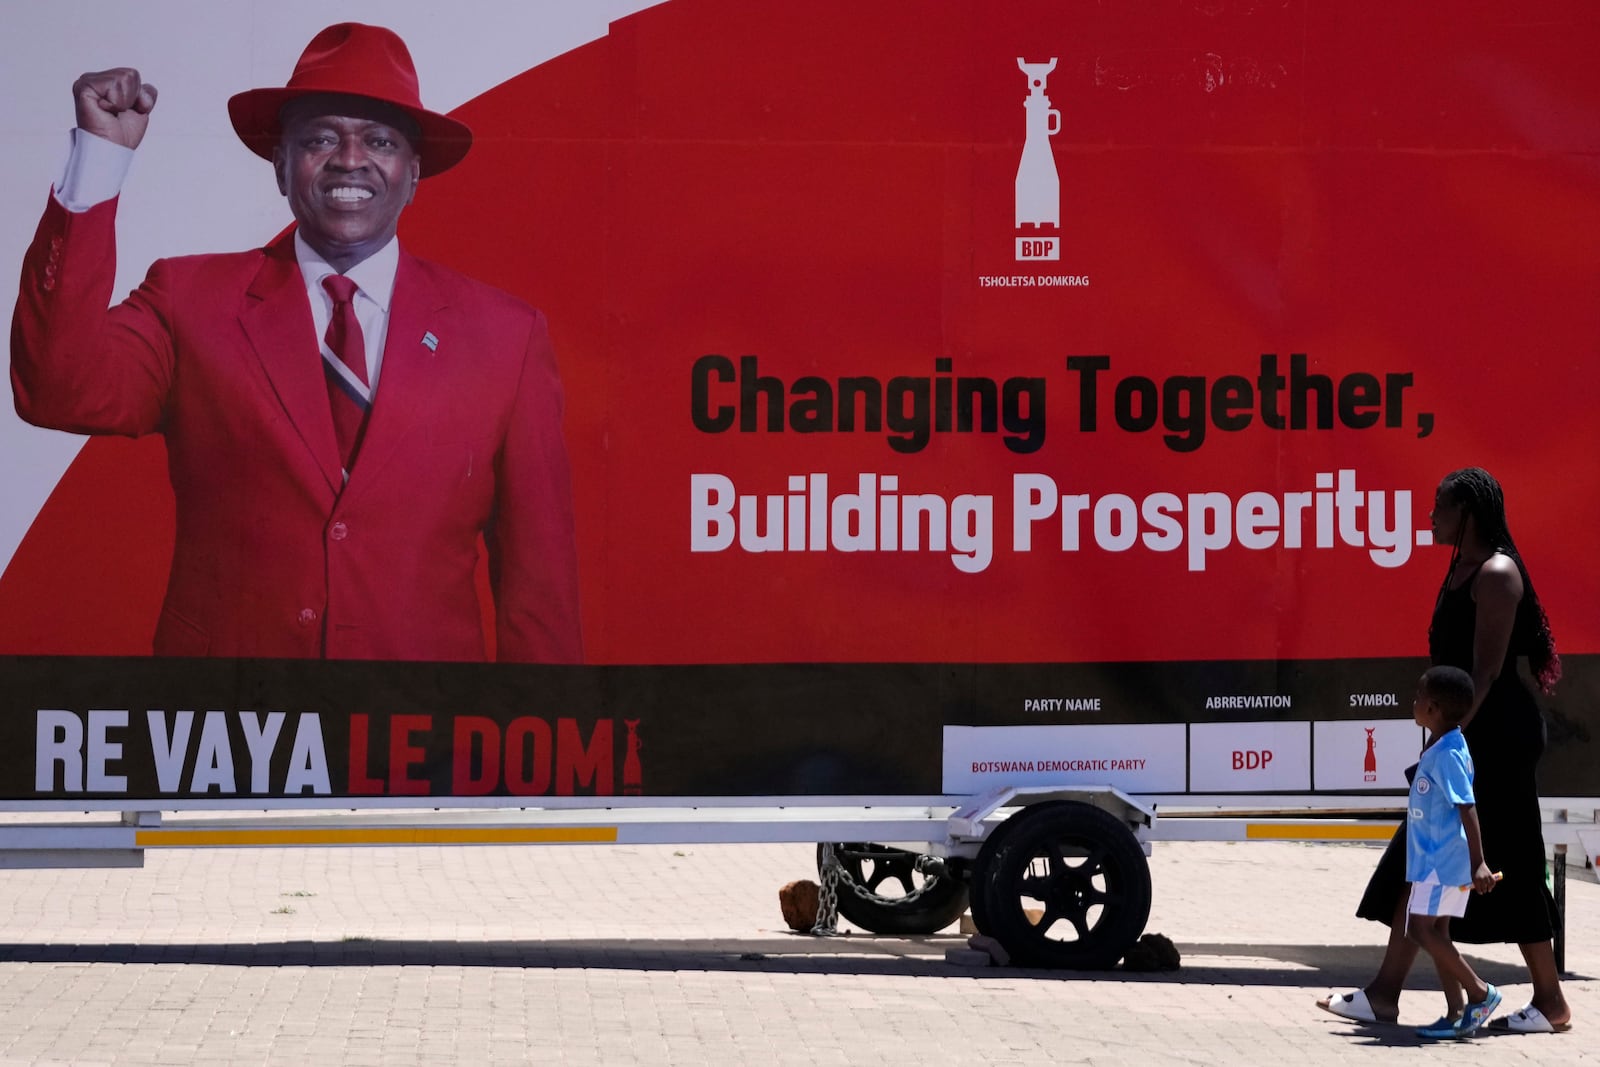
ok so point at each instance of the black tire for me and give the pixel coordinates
(976, 900)
(881, 891)
(1083, 867)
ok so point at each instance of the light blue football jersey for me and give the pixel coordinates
(1435, 837)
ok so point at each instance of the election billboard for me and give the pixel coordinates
(923, 396)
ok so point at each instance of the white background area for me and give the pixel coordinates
(1212, 747)
(194, 187)
(1160, 745)
(1341, 749)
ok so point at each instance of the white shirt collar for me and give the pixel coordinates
(373, 275)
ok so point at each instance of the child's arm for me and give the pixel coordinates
(1482, 878)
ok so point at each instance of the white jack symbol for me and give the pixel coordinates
(1038, 186)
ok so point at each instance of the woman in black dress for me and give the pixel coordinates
(1487, 616)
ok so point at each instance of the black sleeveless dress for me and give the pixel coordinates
(1506, 739)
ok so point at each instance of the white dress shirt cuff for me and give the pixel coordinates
(93, 173)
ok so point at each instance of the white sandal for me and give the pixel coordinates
(1353, 1005)
(1529, 1020)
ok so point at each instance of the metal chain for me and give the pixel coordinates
(870, 897)
(834, 872)
(827, 924)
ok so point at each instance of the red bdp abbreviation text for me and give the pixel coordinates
(1252, 759)
(1038, 248)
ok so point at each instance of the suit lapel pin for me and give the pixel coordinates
(430, 341)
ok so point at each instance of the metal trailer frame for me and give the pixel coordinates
(88, 833)
(953, 830)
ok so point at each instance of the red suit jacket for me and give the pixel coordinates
(274, 556)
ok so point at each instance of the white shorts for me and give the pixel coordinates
(1428, 897)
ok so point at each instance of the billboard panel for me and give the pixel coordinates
(921, 369)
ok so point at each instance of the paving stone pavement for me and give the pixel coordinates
(678, 955)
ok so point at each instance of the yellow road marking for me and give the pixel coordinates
(1266, 831)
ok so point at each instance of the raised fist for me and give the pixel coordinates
(114, 104)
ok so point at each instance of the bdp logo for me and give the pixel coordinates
(1038, 184)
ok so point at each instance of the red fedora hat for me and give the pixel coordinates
(354, 60)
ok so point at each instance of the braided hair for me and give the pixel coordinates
(1480, 495)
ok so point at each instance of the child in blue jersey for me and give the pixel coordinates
(1444, 855)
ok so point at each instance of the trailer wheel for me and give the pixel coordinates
(881, 890)
(1078, 864)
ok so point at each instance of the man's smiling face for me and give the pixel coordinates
(349, 167)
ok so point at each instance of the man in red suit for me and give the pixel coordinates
(343, 420)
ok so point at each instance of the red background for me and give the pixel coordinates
(1389, 188)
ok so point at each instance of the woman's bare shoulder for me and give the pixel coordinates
(1499, 576)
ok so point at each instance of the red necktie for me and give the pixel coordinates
(350, 400)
